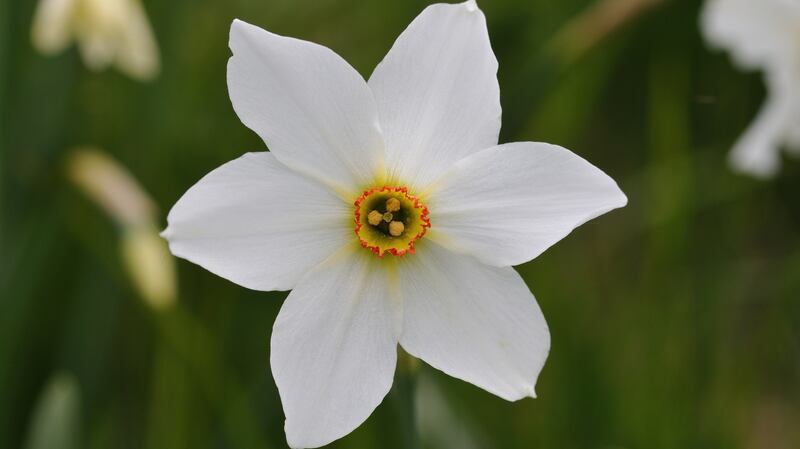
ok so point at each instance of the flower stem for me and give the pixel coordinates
(405, 389)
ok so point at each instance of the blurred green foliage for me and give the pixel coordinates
(675, 321)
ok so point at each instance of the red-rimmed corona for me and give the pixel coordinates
(390, 220)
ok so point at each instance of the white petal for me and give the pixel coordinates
(334, 348)
(138, 53)
(791, 89)
(313, 110)
(258, 224)
(756, 32)
(437, 93)
(507, 204)
(793, 134)
(474, 322)
(757, 152)
(52, 25)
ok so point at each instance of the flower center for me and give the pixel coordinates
(390, 220)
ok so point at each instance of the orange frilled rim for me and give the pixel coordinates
(412, 213)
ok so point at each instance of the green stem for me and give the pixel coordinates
(405, 388)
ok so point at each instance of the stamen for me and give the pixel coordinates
(374, 218)
(392, 205)
(396, 228)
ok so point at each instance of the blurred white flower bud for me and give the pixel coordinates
(55, 423)
(107, 31)
(147, 259)
(150, 265)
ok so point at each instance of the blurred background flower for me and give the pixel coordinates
(675, 321)
(108, 32)
(144, 254)
(765, 36)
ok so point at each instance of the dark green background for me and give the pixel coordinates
(675, 321)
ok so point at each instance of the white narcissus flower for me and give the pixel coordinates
(762, 35)
(107, 32)
(390, 211)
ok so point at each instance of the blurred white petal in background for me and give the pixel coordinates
(145, 255)
(108, 32)
(150, 265)
(762, 35)
(55, 423)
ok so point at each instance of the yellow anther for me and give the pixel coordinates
(392, 205)
(396, 228)
(375, 218)
(387, 217)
